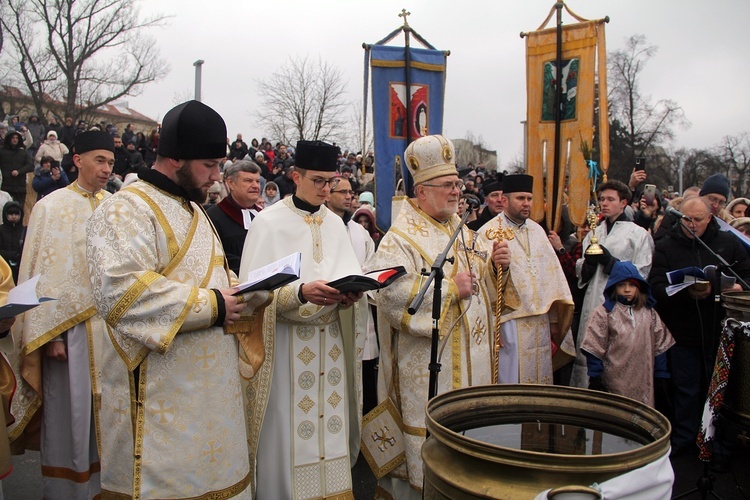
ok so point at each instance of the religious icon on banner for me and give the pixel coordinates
(418, 121)
(569, 83)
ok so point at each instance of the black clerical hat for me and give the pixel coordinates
(193, 131)
(316, 155)
(492, 185)
(93, 140)
(518, 183)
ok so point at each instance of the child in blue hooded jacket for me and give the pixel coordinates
(626, 341)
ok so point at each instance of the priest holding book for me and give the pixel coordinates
(303, 406)
(419, 234)
(172, 421)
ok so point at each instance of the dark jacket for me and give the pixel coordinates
(237, 153)
(44, 184)
(37, 131)
(136, 161)
(227, 218)
(683, 315)
(69, 167)
(11, 238)
(480, 221)
(286, 185)
(122, 162)
(67, 135)
(15, 158)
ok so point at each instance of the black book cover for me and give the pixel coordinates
(373, 280)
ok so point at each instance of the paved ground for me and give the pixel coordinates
(25, 481)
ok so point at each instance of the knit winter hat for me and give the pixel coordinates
(716, 184)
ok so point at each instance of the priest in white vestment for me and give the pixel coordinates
(302, 407)
(8, 383)
(420, 232)
(536, 336)
(173, 424)
(59, 340)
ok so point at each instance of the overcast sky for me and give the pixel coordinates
(701, 63)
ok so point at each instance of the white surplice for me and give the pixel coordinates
(545, 298)
(303, 407)
(173, 424)
(66, 392)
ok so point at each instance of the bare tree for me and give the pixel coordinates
(697, 165)
(354, 135)
(637, 123)
(74, 56)
(304, 100)
(735, 151)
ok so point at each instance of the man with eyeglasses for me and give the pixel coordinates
(304, 403)
(715, 190)
(620, 239)
(536, 336)
(692, 315)
(420, 232)
(339, 203)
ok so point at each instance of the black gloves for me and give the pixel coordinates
(596, 384)
(605, 259)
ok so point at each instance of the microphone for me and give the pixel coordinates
(472, 202)
(676, 213)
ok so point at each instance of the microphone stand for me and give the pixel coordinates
(723, 264)
(436, 274)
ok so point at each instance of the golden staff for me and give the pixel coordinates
(499, 234)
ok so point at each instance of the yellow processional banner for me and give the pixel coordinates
(583, 60)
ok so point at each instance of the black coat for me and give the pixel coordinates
(286, 185)
(227, 219)
(682, 314)
(12, 236)
(480, 221)
(15, 158)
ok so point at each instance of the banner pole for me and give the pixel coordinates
(407, 68)
(553, 214)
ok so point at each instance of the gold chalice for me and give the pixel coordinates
(594, 248)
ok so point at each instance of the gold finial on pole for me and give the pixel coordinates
(405, 14)
(498, 234)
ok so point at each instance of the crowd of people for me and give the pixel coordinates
(151, 376)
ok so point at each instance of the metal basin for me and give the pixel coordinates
(514, 441)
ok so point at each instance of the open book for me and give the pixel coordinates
(22, 298)
(370, 281)
(272, 276)
(695, 276)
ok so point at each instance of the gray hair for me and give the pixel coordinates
(697, 200)
(235, 168)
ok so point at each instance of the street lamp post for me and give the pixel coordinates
(198, 65)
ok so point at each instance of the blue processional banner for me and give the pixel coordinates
(390, 122)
